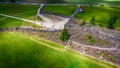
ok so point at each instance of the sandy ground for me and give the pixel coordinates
(52, 21)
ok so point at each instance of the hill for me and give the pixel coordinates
(23, 51)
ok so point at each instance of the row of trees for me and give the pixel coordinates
(10, 1)
(64, 36)
(54, 1)
(110, 24)
(47, 1)
(112, 21)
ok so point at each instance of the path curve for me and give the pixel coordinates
(51, 24)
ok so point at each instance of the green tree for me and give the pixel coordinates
(112, 21)
(92, 21)
(91, 40)
(64, 35)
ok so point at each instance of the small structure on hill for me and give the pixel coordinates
(80, 8)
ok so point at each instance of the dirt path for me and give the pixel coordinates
(50, 23)
(16, 18)
(93, 46)
(87, 45)
(46, 24)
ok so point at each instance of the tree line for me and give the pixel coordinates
(13, 1)
(47, 1)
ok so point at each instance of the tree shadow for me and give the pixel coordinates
(95, 2)
(112, 3)
(54, 1)
(84, 1)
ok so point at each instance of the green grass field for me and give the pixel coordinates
(60, 9)
(9, 22)
(23, 51)
(102, 14)
(23, 11)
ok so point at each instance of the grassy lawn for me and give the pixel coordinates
(9, 22)
(60, 9)
(6, 22)
(23, 11)
(28, 24)
(96, 2)
(102, 15)
(21, 51)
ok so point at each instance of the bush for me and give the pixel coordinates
(112, 21)
(91, 40)
(101, 5)
(92, 21)
(64, 35)
(111, 58)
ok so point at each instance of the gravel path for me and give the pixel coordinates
(49, 23)
(46, 23)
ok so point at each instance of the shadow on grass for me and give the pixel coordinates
(112, 3)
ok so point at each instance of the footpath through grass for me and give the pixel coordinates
(20, 51)
(18, 10)
(9, 22)
(102, 13)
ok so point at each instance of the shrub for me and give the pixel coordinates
(111, 58)
(64, 35)
(112, 21)
(92, 21)
(101, 5)
(91, 40)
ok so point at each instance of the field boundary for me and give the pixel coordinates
(25, 32)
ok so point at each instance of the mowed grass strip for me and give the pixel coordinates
(21, 51)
